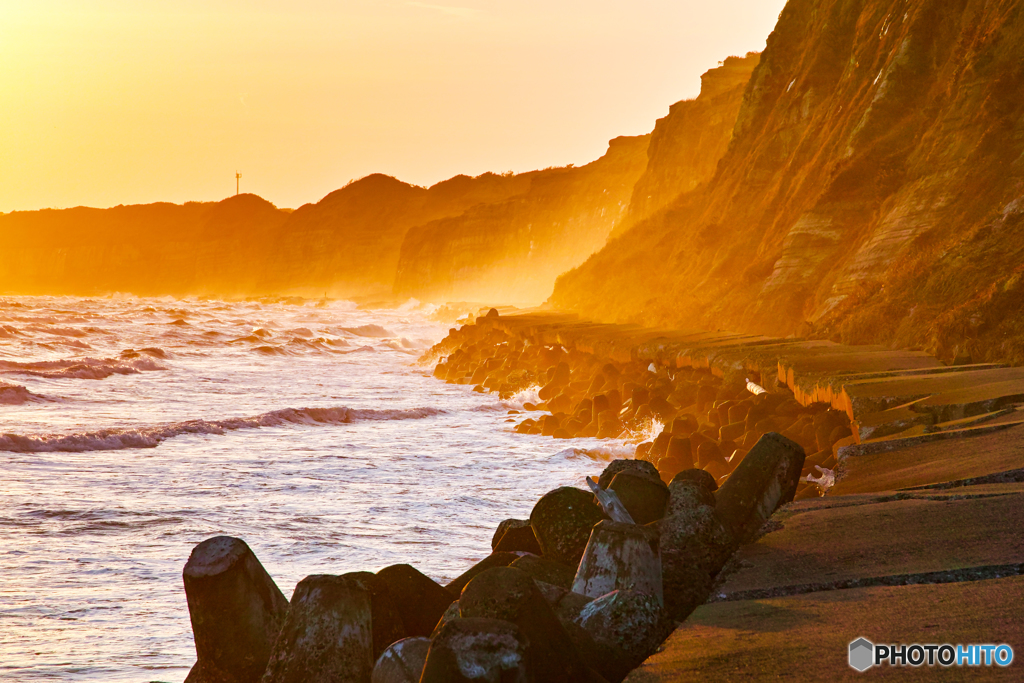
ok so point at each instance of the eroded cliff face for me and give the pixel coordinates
(873, 190)
(147, 249)
(512, 251)
(348, 243)
(686, 145)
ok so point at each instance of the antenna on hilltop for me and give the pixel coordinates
(238, 177)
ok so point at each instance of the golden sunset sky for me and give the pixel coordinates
(106, 102)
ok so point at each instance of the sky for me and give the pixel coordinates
(107, 102)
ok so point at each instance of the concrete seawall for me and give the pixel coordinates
(786, 498)
(917, 540)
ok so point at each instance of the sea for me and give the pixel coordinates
(133, 428)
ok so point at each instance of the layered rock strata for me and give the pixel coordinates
(872, 191)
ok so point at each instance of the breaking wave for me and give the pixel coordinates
(151, 437)
(603, 453)
(368, 331)
(81, 368)
(15, 395)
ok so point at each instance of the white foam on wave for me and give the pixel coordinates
(411, 305)
(397, 346)
(613, 451)
(375, 331)
(81, 368)
(601, 453)
(648, 430)
(151, 437)
(528, 395)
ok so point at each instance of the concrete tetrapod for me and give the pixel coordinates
(765, 479)
(620, 556)
(694, 543)
(643, 496)
(478, 651)
(641, 467)
(385, 618)
(502, 559)
(402, 662)
(235, 608)
(420, 600)
(540, 569)
(628, 620)
(511, 595)
(328, 635)
(562, 520)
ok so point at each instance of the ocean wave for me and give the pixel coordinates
(368, 331)
(7, 331)
(72, 343)
(397, 346)
(15, 395)
(601, 453)
(368, 349)
(528, 395)
(268, 350)
(151, 437)
(151, 351)
(63, 331)
(81, 368)
(322, 344)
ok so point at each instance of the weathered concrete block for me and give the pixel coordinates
(698, 476)
(328, 635)
(420, 600)
(511, 595)
(387, 621)
(685, 494)
(611, 663)
(630, 621)
(701, 533)
(765, 479)
(624, 465)
(204, 672)
(562, 520)
(236, 610)
(493, 560)
(402, 662)
(504, 526)
(451, 613)
(548, 571)
(643, 496)
(620, 556)
(564, 602)
(518, 538)
(695, 543)
(478, 651)
(679, 450)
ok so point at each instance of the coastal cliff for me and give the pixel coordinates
(512, 251)
(348, 243)
(687, 143)
(873, 191)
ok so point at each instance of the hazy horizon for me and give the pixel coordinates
(164, 101)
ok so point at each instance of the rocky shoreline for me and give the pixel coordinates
(593, 583)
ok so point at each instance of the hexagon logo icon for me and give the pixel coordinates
(862, 654)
